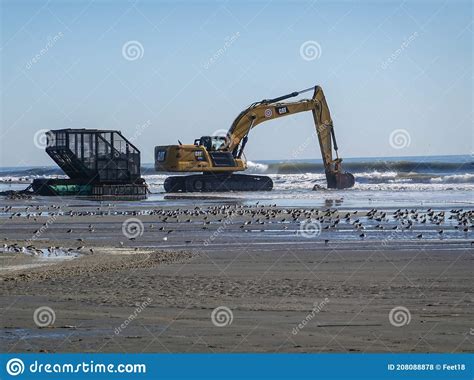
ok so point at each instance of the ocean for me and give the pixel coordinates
(431, 181)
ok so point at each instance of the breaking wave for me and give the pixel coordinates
(426, 171)
(423, 170)
(295, 167)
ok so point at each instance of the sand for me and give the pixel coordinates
(273, 290)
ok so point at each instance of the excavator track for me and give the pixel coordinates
(210, 182)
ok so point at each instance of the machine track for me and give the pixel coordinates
(217, 182)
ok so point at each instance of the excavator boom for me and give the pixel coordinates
(273, 108)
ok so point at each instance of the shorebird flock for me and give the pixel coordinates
(250, 218)
(40, 252)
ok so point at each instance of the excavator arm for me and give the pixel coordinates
(270, 109)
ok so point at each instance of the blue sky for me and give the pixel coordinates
(384, 66)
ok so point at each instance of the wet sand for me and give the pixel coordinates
(276, 287)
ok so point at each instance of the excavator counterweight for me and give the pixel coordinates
(217, 158)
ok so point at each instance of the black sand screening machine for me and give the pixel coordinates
(99, 163)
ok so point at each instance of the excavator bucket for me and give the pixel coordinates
(338, 180)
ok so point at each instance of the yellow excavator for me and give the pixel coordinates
(217, 158)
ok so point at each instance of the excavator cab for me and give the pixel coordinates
(216, 148)
(212, 143)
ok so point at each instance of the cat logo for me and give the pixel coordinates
(281, 110)
(160, 155)
(198, 155)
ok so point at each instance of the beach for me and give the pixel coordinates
(243, 190)
(221, 275)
